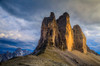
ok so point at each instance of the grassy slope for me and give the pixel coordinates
(55, 57)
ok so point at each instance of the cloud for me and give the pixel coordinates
(8, 46)
(18, 35)
(23, 8)
(2, 35)
(95, 47)
(78, 9)
(21, 19)
(11, 45)
(17, 28)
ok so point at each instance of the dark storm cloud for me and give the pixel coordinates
(85, 11)
(11, 41)
(11, 45)
(24, 8)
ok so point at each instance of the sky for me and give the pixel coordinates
(20, 21)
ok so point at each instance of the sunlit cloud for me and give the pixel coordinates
(17, 28)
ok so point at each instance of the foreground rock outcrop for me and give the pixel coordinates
(59, 33)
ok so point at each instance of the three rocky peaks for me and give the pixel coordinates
(59, 33)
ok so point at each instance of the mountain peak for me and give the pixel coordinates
(59, 34)
(65, 14)
(18, 52)
(77, 27)
(52, 15)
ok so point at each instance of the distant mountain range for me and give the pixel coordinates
(18, 52)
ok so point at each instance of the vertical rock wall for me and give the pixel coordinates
(66, 30)
(79, 39)
(58, 33)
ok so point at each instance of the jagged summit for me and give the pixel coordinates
(77, 27)
(59, 34)
(52, 15)
(66, 14)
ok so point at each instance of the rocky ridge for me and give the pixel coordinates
(18, 52)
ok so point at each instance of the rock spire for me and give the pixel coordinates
(79, 39)
(59, 34)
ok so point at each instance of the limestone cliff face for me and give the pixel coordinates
(59, 34)
(66, 31)
(49, 33)
(79, 39)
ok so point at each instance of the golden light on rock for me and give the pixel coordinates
(69, 35)
(59, 33)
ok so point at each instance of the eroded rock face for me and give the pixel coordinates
(58, 33)
(49, 33)
(66, 31)
(79, 39)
